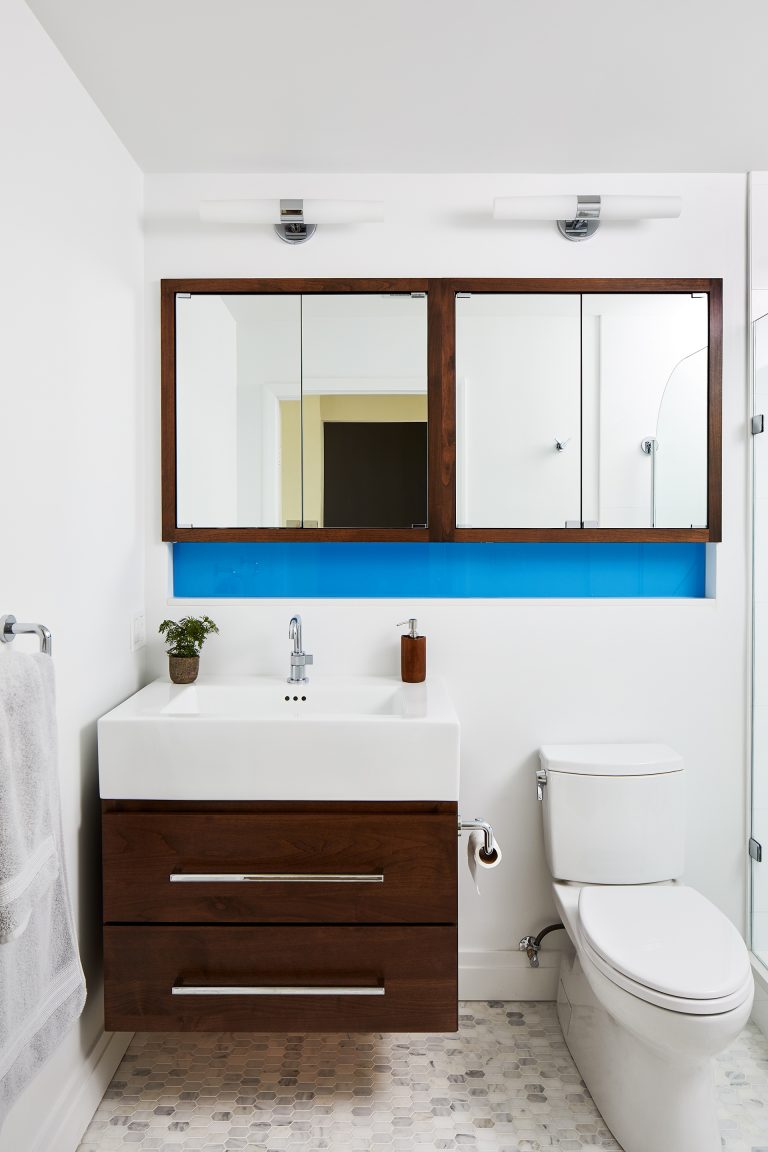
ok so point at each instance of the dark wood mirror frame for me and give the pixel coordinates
(441, 398)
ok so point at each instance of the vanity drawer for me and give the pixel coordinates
(271, 867)
(238, 978)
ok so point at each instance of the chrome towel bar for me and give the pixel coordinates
(10, 629)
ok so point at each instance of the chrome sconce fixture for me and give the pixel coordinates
(579, 217)
(294, 221)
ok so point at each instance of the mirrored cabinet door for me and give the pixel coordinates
(238, 372)
(442, 409)
(301, 411)
(645, 409)
(518, 411)
(364, 411)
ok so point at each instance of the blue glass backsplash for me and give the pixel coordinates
(438, 570)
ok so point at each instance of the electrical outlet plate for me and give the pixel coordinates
(138, 631)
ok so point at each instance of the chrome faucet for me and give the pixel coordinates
(299, 658)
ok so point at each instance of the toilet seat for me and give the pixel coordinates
(677, 1004)
(667, 945)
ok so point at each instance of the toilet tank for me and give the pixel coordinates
(613, 813)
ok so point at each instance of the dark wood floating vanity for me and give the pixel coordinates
(296, 916)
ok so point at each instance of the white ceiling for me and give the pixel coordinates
(425, 85)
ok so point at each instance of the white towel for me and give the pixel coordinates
(42, 988)
(28, 788)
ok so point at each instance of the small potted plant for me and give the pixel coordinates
(184, 638)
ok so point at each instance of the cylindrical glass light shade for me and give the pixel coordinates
(344, 211)
(640, 207)
(567, 207)
(535, 207)
(240, 211)
(315, 211)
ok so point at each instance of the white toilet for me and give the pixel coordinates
(660, 980)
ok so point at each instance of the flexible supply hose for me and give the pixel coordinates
(531, 944)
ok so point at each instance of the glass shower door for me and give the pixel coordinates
(759, 882)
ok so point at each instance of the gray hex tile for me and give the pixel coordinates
(504, 1083)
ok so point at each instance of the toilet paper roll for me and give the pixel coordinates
(476, 856)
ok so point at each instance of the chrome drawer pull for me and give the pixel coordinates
(275, 878)
(274, 990)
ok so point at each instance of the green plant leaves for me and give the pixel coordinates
(186, 637)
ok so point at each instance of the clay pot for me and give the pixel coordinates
(183, 669)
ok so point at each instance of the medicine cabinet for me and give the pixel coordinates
(441, 409)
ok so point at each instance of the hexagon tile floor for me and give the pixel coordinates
(504, 1083)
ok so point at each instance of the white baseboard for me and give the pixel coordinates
(71, 1113)
(507, 975)
(760, 1006)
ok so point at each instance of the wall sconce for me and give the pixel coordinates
(579, 217)
(294, 220)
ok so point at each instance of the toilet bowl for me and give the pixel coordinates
(657, 980)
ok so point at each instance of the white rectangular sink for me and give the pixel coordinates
(260, 738)
(274, 699)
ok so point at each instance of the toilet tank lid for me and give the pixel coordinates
(610, 759)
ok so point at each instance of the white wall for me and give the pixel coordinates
(521, 672)
(71, 472)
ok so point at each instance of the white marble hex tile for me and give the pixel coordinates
(504, 1083)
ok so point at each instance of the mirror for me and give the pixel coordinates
(517, 398)
(301, 411)
(238, 362)
(644, 365)
(364, 411)
(441, 409)
(582, 410)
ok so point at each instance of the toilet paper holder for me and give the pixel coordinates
(490, 849)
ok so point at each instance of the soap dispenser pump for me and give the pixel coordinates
(413, 653)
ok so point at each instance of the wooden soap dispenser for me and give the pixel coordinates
(413, 653)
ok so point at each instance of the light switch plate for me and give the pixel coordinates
(138, 631)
